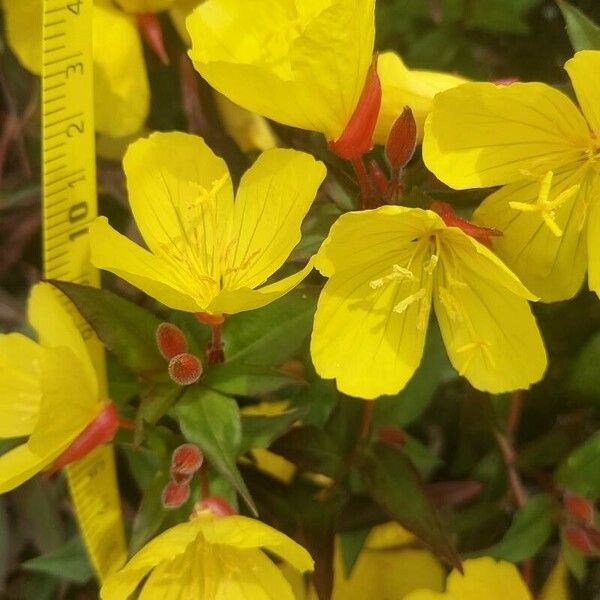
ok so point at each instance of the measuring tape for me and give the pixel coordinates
(69, 206)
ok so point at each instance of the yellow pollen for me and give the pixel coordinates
(404, 304)
(398, 273)
(545, 206)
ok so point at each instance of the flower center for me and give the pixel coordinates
(544, 205)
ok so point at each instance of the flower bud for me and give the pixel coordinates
(185, 369)
(181, 478)
(579, 508)
(175, 495)
(578, 538)
(186, 459)
(402, 140)
(357, 137)
(170, 340)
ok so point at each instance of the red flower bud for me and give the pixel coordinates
(217, 505)
(175, 495)
(185, 369)
(170, 340)
(579, 508)
(181, 478)
(577, 538)
(149, 27)
(186, 459)
(357, 137)
(402, 140)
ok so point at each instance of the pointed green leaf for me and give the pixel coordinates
(212, 422)
(126, 329)
(394, 483)
(580, 472)
(582, 31)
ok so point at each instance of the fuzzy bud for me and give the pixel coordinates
(402, 140)
(186, 459)
(185, 369)
(170, 340)
(579, 508)
(578, 538)
(175, 495)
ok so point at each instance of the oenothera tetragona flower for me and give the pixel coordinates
(211, 557)
(385, 267)
(532, 139)
(483, 578)
(208, 253)
(49, 392)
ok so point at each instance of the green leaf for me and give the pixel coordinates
(69, 562)
(394, 483)
(530, 529)
(123, 327)
(582, 31)
(246, 380)
(351, 544)
(259, 431)
(270, 335)
(503, 16)
(584, 376)
(212, 422)
(580, 472)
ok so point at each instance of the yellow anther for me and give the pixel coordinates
(398, 272)
(431, 264)
(404, 304)
(545, 206)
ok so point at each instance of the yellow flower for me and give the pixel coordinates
(211, 558)
(208, 253)
(48, 390)
(301, 63)
(402, 87)
(483, 579)
(385, 570)
(121, 89)
(385, 267)
(532, 139)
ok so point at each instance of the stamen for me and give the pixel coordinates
(398, 272)
(431, 264)
(547, 208)
(449, 303)
(423, 317)
(404, 304)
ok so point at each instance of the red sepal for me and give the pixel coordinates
(149, 27)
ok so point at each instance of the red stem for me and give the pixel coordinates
(366, 192)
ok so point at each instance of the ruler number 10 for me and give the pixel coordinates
(74, 6)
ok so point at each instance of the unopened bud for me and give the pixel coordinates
(175, 495)
(579, 508)
(149, 27)
(181, 478)
(170, 340)
(402, 140)
(578, 538)
(186, 459)
(185, 369)
(216, 505)
(357, 137)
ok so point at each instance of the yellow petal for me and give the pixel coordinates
(486, 578)
(402, 87)
(55, 328)
(248, 130)
(23, 27)
(489, 331)
(583, 70)
(244, 533)
(481, 134)
(428, 595)
(178, 12)
(552, 267)
(557, 586)
(145, 6)
(273, 197)
(371, 320)
(317, 53)
(388, 535)
(593, 233)
(164, 547)
(20, 391)
(20, 464)
(152, 274)
(121, 89)
(181, 197)
(68, 403)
